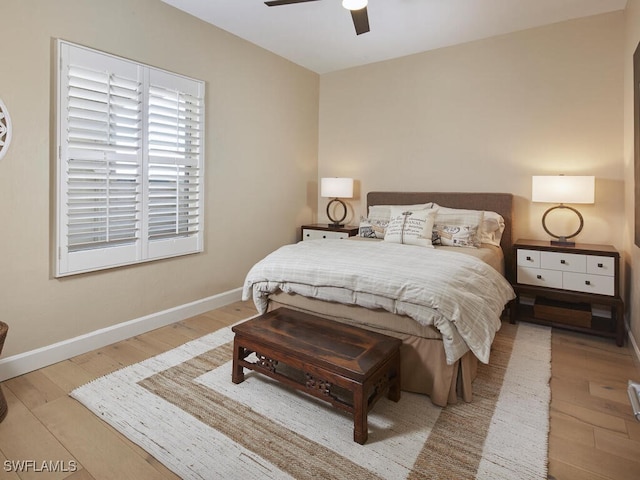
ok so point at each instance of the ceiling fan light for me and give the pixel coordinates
(354, 4)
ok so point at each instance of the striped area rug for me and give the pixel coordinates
(182, 407)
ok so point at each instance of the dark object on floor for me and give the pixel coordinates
(3, 401)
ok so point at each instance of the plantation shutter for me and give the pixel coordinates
(129, 167)
(174, 169)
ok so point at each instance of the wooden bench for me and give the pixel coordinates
(349, 367)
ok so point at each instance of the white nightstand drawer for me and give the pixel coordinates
(566, 262)
(529, 258)
(601, 265)
(310, 234)
(582, 282)
(539, 277)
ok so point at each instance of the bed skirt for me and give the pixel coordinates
(424, 365)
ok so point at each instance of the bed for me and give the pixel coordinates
(446, 320)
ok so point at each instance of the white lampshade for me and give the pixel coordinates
(563, 189)
(335, 187)
(354, 4)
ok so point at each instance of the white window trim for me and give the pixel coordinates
(189, 159)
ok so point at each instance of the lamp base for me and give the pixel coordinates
(336, 221)
(561, 243)
(562, 239)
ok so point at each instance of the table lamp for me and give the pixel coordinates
(335, 187)
(563, 189)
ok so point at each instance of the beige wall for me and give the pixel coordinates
(486, 116)
(632, 252)
(261, 155)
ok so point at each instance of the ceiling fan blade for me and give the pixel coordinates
(360, 20)
(275, 3)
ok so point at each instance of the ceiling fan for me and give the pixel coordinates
(358, 10)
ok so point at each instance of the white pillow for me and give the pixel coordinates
(492, 228)
(492, 224)
(410, 227)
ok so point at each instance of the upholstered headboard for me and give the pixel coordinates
(501, 203)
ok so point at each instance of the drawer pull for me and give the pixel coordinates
(600, 265)
(324, 236)
(563, 262)
(529, 259)
(587, 282)
(539, 277)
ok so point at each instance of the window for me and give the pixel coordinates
(130, 162)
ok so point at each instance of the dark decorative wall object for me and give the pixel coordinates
(636, 134)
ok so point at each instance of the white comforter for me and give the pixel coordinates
(459, 294)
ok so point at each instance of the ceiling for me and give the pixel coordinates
(320, 35)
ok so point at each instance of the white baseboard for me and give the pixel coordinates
(42, 357)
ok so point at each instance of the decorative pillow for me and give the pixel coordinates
(379, 215)
(410, 227)
(372, 228)
(383, 212)
(459, 229)
(456, 236)
(492, 224)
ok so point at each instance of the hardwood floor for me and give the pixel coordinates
(593, 433)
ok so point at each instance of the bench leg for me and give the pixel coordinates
(360, 426)
(394, 387)
(237, 372)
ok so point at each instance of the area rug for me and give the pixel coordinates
(182, 408)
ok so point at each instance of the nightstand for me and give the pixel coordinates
(577, 287)
(322, 230)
